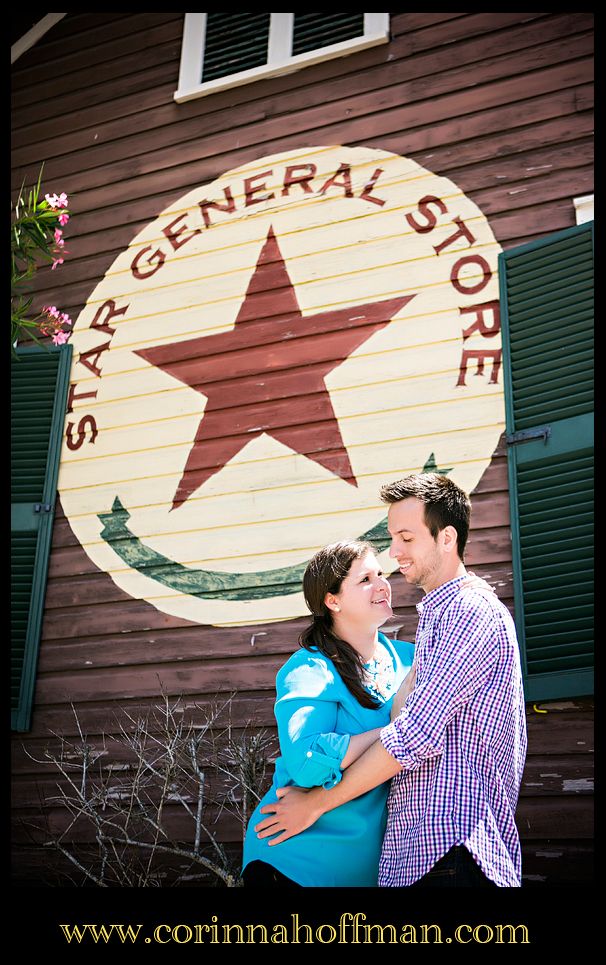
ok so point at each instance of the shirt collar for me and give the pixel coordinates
(441, 594)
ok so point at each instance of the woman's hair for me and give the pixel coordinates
(324, 574)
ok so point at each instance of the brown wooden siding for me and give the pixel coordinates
(501, 104)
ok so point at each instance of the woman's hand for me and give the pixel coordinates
(406, 688)
(474, 582)
(295, 810)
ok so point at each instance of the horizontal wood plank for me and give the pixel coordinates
(563, 864)
(556, 817)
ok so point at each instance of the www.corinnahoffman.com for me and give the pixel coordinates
(350, 929)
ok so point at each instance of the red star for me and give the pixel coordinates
(267, 374)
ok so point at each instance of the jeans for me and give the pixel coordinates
(457, 869)
(259, 874)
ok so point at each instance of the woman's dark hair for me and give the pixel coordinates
(324, 574)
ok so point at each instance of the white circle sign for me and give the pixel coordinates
(265, 355)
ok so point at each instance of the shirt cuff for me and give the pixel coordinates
(392, 739)
(322, 763)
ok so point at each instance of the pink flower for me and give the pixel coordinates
(59, 237)
(63, 219)
(56, 261)
(52, 326)
(56, 201)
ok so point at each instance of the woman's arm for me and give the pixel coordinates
(306, 709)
(306, 712)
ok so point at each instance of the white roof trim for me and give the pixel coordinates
(34, 34)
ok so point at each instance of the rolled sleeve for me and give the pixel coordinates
(405, 741)
(321, 762)
(306, 712)
(461, 662)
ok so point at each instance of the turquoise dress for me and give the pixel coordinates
(316, 714)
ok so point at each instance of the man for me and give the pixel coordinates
(456, 749)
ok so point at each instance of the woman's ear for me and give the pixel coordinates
(330, 601)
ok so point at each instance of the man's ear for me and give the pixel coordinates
(449, 539)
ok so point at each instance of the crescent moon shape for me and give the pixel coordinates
(209, 584)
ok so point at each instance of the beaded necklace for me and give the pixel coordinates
(379, 673)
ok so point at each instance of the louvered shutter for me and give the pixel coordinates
(39, 380)
(548, 349)
(312, 31)
(234, 42)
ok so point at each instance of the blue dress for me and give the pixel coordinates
(316, 714)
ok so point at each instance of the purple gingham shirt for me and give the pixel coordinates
(461, 740)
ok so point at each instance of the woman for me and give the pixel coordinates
(333, 698)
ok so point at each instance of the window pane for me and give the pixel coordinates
(315, 30)
(234, 42)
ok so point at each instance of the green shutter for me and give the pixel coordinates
(547, 316)
(234, 42)
(39, 383)
(313, 31)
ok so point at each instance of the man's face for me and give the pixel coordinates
(419, 556)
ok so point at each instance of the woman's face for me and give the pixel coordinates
(365, 594)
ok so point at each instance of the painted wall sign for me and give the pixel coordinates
(265, 355)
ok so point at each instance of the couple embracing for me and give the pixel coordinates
(400, 765)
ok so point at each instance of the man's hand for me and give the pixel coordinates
(296, 810)
(406, 688)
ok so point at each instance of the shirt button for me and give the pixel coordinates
(309, 753)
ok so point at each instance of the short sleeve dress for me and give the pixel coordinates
(316, 714)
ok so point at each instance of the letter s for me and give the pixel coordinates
(432, 219)
(75, 444)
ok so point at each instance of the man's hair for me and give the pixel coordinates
(446, 504)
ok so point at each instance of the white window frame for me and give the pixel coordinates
(279, 58)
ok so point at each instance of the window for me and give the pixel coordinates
(548, 351)
(222, 50)
(39, 384)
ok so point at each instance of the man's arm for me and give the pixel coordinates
(461, 663)
(297, 810)
(358, 743)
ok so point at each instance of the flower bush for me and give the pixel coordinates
(36, 236)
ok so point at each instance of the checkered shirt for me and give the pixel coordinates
(461, 741)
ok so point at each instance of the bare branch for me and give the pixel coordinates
(170, 761)
(85, 871)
